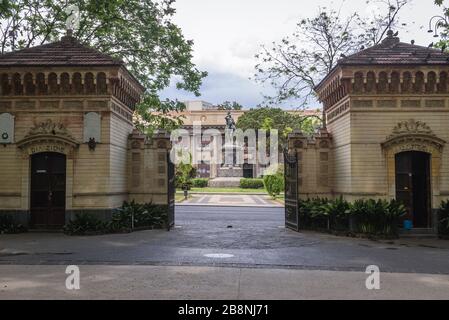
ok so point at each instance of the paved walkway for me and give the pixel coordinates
(228, 237)
(202, 283)
(221, 253)
(244, 200)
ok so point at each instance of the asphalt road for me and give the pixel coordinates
(244, 237)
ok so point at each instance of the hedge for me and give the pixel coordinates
(200, 182)
(251, 183)
(131, 214)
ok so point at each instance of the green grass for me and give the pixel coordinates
(225, 190)
(179, 197)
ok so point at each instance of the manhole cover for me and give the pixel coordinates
(219, 255)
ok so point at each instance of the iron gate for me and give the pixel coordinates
(291, 191)
(170, 193)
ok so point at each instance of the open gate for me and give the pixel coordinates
(170, 193)
(291, 191)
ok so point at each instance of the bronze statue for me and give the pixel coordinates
(230, 123)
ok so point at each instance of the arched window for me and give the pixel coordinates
(17, 86)
(29, 85)
(358, 82)
(65, 83)
(89, 83)
(53, 87)
(442, 85)
(382, 86)
(77, 86)
(5, 87)
(370, 82)
(431, 82)
(101, 83)
(395, 82)
(40, 84)
(418, 86)
(407, 82)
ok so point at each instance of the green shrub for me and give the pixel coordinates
(85, 223)
(371, 217)
(377, 217)
(146, 215)
(184, 174)
(274, 184)
(443, 219)
(8, 225)
(200, 182)
(251, 183)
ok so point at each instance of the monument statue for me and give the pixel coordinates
(230, 123)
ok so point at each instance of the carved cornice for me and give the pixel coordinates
(414, 133)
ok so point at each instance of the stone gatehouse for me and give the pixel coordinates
(387, 125)
(67, 141)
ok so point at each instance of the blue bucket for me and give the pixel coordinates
(408, 224)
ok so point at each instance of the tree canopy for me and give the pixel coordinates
(295, 65)
(227, 105)
(140, 32)
(275, 118)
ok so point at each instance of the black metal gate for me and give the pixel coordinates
(291, 191)
(171, 193)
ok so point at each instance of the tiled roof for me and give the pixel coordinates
(393, 52)
(66, 52)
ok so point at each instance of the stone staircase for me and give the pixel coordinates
(418, 233)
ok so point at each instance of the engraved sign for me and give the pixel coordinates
(47, 148)
(92, 127)
(6, 128)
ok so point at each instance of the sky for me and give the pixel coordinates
(228, 33)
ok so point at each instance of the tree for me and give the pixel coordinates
(441, 27)
(274, 184)
(275, 118)
(140, 32)
(227, 105)
(296, 64)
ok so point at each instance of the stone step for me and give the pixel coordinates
(418, 233)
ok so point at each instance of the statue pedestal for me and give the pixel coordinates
(230, 172)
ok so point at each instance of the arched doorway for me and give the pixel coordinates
(413, 186)
(48, 188)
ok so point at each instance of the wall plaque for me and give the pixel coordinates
(6, 128)
(92, 127)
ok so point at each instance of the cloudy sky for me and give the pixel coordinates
(228, 33)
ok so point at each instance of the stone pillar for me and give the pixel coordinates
(148, 167)
(297, 144)
(314, 163)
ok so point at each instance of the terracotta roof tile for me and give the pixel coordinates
(393, 52)
(66, 52)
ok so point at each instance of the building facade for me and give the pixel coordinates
(210, 117)
(387, 115)
(67, 141)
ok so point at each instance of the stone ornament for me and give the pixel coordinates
(48, 127)
(411, 126)
(413, 135)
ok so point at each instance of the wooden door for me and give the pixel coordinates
(48, 185)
